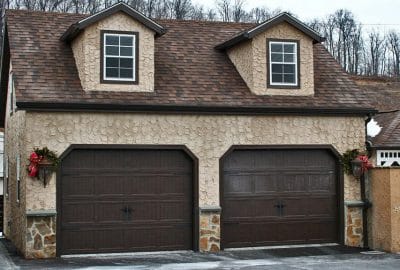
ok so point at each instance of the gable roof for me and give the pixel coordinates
(258, 29)
(384, 94)
(79, 26)
(190, 75)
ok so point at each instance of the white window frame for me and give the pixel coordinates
(18, 178)
(6, 184)
(133, 57)
(295, 62)
(12, 91)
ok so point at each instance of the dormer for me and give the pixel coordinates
(114, 50)
(275, 57)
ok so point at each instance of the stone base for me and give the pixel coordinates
(354, 227)
(210, 230)
(40, 237)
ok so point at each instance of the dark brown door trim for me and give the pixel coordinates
(330, 148)
(133, 147)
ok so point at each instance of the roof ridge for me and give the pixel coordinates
(155, 19)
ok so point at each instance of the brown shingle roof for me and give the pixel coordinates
(384, 94)
(188, 70)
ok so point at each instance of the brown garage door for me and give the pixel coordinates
(125, 200)
(279, 197)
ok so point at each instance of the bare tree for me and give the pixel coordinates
(394, 47)
(180, 8)
(376, 43)
(224, 9)
(238, 12)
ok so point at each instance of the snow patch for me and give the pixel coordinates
(373, 128)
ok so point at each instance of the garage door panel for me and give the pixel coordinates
(78, 241)
(292, 183)
(322, 183)
(239, 184)
(327, 206)
(284, 194)
(321, 230)
(110, 212)
(74, 186)
(126, 200)
(109, 240)
(266, 183)
(78, 213)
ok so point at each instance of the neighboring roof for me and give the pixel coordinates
(389, 137)
(80, 25)
(384, 94)
(190, 75)
(258, 29)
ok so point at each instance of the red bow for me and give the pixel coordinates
(365, 165)
(33, 166)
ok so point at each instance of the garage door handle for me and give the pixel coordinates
(127, 210)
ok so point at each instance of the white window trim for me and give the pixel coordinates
(5, 186)
(296, 73)
(12, 92)
(18, 178)
(133, 57)
(386, 158)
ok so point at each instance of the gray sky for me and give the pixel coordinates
(386, 12)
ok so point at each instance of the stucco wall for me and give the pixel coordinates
(14, 145)
(254, 71)
(86, 48)
(385, 211)
(208, 137)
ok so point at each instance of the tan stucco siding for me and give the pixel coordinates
(87, 54)
(242, 57)
(14, 145)
(208, 137)
(254, 71)
(385, 213)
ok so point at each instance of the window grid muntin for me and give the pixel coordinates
(283, 53)
(119, 56)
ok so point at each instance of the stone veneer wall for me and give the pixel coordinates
(210, 231)
(250, 59)
(86, 48)
(41, 237)
(14, 145)
(208, 137)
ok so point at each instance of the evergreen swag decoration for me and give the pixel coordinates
(347, 158)
(42, 157)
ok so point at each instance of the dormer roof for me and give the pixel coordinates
(254, 31)
(79, 26)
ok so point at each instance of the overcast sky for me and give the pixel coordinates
(383, 12)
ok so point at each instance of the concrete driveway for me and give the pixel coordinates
(317, 257)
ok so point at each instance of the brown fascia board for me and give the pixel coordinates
(283, 17)
(4, 72)
(76, 28)
(202, 109)
(385, 147)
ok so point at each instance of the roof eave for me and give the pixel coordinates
(208, 109)
(283, 17)
(76, 28)
(385, 146)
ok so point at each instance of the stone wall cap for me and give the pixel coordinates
(41, 213)
(205, 209)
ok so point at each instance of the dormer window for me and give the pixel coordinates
(119, 57)
(283, 64)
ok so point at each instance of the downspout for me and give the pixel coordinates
(366, 203)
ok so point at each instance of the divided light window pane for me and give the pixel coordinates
(119, 57)
(283, 63)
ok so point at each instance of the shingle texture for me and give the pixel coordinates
(384, 94)
(189, 71)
